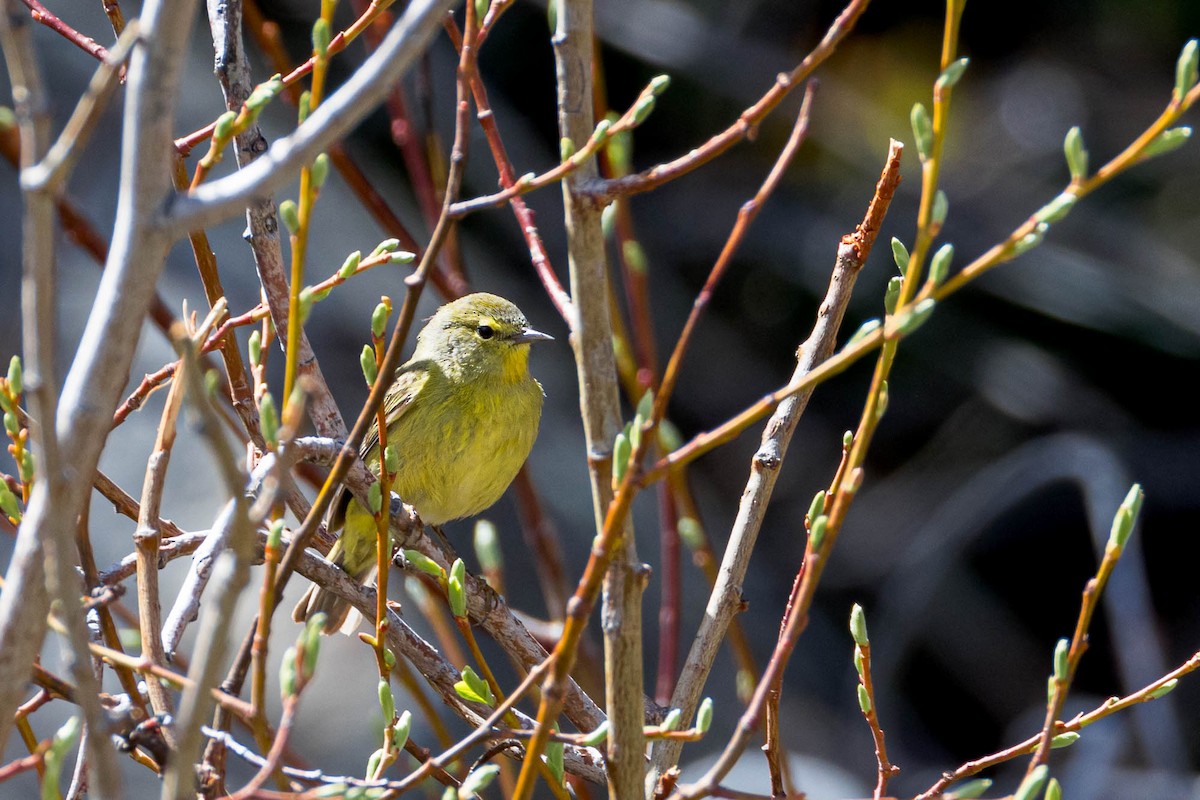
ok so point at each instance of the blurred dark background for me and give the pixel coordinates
(1019, 415)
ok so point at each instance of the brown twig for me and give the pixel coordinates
(746, 125)
(87, 44)
(852, 253)
(537, 250)
(1077, 723)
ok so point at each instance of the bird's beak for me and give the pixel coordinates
(530, 335)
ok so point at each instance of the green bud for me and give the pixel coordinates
(643, 109)
(310, 640)
(1061, 659)
(27, 470)
(1057, 208)
(290, 215)
(477, 781)
(552, 14)
(481, 8)
(645, 408)
(263, 94)
(386, 246)
(339, 791)
(10, 423)
(456, 591)
(391, 459)
(304, 106)
(969, 790)
(566, 148)
(1167, 141)
(366, 360)
(914, 319)
(1053, 790)
(951, 74)
(864, 330)
(554, 760)
(941, 207)
(287, 673)
(350, 265)
(635, 256)
(939, 265)
(402, 728)
(1165, 689)
(690, 533)
(5, 403)
(16, 377)
(473, 688)
(319, 170)
(321, 36)
(672, 720)
(487, 546)
(1126, 517)
(864, 699)
(268, 419)
(1064, 740)
(223, 128)
(379, 318)
(704, 716)
(402, 257)
(66, 736)
(619, 148)
(602, 130)
(1187, 68)
(900, 254)
(859, 663)
(425, 564)
(922, 128)
(817, 507)
(669, 438)
(306, 303)
(375, 497)
(255, 348)
(372, 770)
(858, 626)
(8, 120)
(275, 534)
(597, 736)
(621, 452)
(634, 433)
(386, 702)
(608, 218)
(884, 398)
(817, 532)
(1033, 783)
(892, 295)
(1030, 240)
(389, 659)
(8, 502)
(1077, 156)
(847, 440)
(659, 84)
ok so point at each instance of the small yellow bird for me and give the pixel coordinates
(462, 415)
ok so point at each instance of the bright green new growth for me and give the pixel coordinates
(1033, 783)
(922, 128)
(858, 626)
(456, 591)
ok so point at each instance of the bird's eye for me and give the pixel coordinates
(486, 332)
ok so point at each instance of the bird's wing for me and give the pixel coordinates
(409, 380)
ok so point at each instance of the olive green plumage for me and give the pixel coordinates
(462, 415)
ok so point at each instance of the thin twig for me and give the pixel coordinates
(852, 254)
(746, 125)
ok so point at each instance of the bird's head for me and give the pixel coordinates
(480, 335)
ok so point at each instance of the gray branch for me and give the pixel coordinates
(213, 202)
